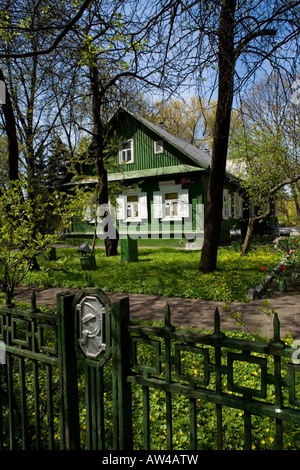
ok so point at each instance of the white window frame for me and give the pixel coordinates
(160, 201)
(226, 213)
(123, 153)
(132, 207)
(122, 206)
(171, 205)
(158, 147)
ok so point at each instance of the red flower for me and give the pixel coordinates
(282, 268)
(263, 268)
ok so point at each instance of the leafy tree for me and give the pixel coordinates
(166, 45)
(19, 241)
(29, 118)
(263, 147)
(254, 32)
(28, 17)
(113, 47)
(4, 163)
(18, 23)
(191, 120)
(10, 128)
(225, 43)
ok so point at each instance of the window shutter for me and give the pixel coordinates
(226, 213)
(229, 212)
(143, 211)
(183, 199)
(238, 206)
(157, 204)
(121, 207)
(224, 206)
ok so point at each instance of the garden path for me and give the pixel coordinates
(198, 314)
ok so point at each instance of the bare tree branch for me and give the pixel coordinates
(57, 40)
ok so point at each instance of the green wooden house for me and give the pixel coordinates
(165, 181)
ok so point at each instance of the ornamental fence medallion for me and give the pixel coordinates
(91, 325)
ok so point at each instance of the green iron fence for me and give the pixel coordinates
(89, 378)
(272, 391)
(29, 393)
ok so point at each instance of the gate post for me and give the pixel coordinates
(70, 433)
(121, 365)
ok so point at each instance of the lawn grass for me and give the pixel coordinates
(162, 271)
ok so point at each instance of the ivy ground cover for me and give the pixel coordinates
(161, 271)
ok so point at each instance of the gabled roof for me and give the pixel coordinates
(200, 159)
(198, 156)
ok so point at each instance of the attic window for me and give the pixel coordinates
(126, 152)
(158, 147)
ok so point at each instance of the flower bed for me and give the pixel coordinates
(285, 279)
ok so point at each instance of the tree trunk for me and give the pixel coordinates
(226, 62)
(249, 234)
(295, 192)
(111, 244)
(11, 132)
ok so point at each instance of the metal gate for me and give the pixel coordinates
(63, 377)
(97, 408)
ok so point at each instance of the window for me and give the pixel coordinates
(226, 204)
(88, 214)
(170, 203)
(158, 147)
(132, 207)
(126, 152)
(237, 206)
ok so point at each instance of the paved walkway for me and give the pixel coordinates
(198, 314)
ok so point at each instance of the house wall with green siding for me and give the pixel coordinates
(197, 195)
(144, 140)
(146, 159)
